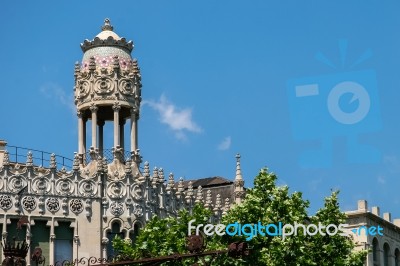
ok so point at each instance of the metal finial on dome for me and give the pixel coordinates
(107, 25)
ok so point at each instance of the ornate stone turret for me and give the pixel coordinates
(107, 88)
(239, 192)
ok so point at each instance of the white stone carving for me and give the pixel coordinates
(137, 192)
(87, 188)
(88, 207)
(138, 210)
(116, 190)
(41, 205)
(41, 185)
(117, 208)
(65, 187)
(16, 183)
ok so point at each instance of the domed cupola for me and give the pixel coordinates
(108, 88)
(105, 46)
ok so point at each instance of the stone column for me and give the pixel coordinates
(94, 109)
(133, 131)
(121, 133)
(84, 141)
(81, 133)
(101, 136)
(116, 108)
(4, 234)
(84, 135)
(51, 244)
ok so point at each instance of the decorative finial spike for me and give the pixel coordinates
(53, 163)
(238, 170)
(107, 25)
(199, 196)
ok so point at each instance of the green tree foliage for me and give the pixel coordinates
(163, 237)
(266, 203)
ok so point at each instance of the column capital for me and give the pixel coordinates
(93, 108)
(79, 113)
(116, 106)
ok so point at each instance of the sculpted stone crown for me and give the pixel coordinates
(107, 38)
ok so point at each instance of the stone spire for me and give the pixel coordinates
(239, 192)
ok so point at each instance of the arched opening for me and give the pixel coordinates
(135, 232)
(397, 257)
(375, 252)
(386, 255)
(115, 231)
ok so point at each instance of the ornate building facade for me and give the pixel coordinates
(379, 234)
(74, 213)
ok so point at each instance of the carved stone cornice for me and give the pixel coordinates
(110, 41)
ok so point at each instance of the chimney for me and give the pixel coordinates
(376, 211)
(362, 205)
(387, 216)
(396, 222)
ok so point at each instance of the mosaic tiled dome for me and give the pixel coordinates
(105, 46)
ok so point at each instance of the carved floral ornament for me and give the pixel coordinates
(138, 210)
(16, 183)
(137, 192)
(41, 185)
(116, 190)
(29, 203)
(104, 85)
(76, 206)
(65, 187)
(127, 87)
(5, 202)
(87, 188)
(52, 204)
(117, 208)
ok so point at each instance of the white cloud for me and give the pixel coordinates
(392, 163)
(315, 184)
(225, 144)
(178, 119)
(381, 180)
(56, 92)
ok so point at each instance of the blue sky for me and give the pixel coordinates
(219, 77)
